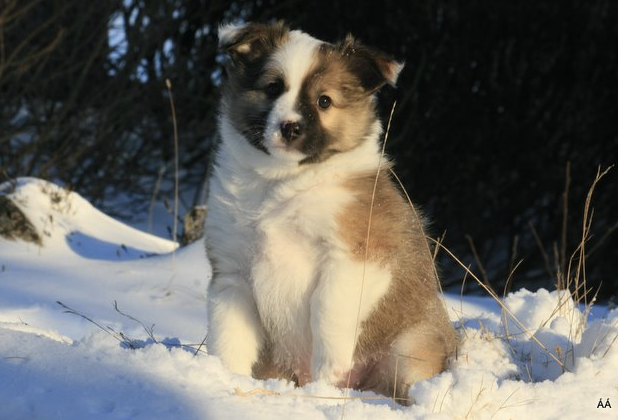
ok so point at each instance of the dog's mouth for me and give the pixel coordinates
(285, 150)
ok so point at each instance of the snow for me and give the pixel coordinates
(138, 355)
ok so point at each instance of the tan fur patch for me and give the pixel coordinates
(397, 241)
(351, 114)
(417, 354)
(352, 110)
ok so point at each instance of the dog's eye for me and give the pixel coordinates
(274, 89)
(324, 101)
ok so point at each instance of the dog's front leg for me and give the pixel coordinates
(347, 291)
(235, 333)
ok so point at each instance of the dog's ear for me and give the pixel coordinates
(246, 43)
(373, 68)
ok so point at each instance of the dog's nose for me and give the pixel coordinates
(290, 130)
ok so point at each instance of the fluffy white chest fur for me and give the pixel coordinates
(300, 291)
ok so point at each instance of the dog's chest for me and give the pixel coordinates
(295, 232)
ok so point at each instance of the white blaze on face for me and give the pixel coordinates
(293, 60)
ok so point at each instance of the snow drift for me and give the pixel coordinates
(125, 341)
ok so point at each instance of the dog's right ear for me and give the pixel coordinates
(246, 43)
(373, 68)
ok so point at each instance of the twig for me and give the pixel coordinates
(153, 197)
(168, 84)
(199, 348)
(149, 331)
(124, 339)
(121, 338)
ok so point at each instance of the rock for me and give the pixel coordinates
(193, 225)
(14, 224)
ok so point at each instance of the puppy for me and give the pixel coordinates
(315, 275)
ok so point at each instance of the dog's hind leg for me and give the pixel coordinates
(418, 353)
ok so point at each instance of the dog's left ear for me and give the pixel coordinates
(373, 67)
(246, 43)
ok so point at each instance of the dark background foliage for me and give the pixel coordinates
(502, 108)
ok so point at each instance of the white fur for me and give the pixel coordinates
(235, 333)
(347, 292)
(292, 59)
(279, 264)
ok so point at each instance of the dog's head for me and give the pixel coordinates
(298, 98)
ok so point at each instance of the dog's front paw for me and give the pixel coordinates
(342, 376)
(335, 374)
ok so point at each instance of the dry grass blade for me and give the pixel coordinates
(268, 392)
(438, 241)
(168, 84)
(505, 320)
(580, 274)
(509, 279)
(477, 259)
(202, 344)
(437, 249)
(502, 305)
(255, 391)
(121, 338)
(610, 346)
(448, 390)
(362, 286)
(613, 228)
(373, 196)
(539, 244)
(565, 214)
(513, 258)
(476, 399)
(503, 406)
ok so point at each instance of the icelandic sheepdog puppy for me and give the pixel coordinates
(321, 270)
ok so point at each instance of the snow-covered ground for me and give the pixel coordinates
(124, 341)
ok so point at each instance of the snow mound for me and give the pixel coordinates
(125, 342)
(64, 219)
